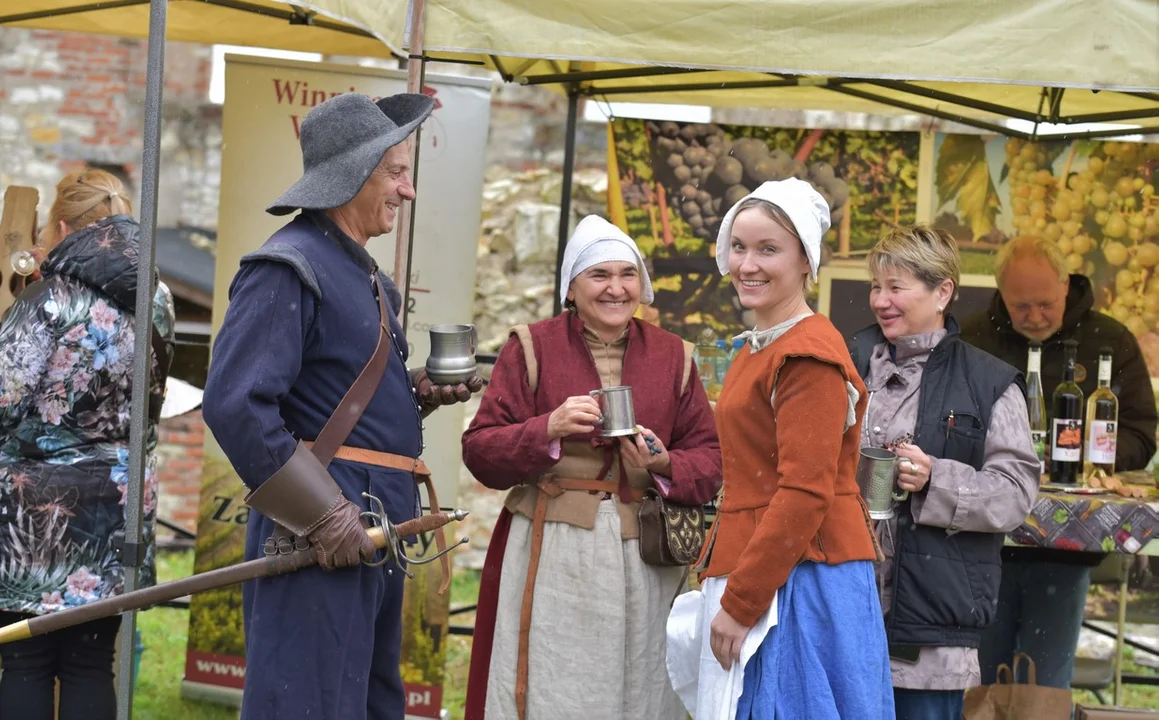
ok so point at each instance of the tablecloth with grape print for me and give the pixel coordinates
(1091, 523)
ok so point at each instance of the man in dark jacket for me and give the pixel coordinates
(1043, 592)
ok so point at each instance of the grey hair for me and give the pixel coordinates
(1031, 246)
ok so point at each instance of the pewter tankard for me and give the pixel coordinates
(877, 481)
(617, 414)
(452, 358)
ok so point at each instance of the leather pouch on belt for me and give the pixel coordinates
(299, 495)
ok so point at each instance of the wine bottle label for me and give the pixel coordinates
(1038, 439)
(1034, 362)
(1068, 440)
(1104, 437)
(1104, 372)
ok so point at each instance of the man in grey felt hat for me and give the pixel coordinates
(303, 322)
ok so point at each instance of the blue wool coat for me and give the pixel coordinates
(302, 323)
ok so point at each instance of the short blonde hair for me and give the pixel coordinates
(82, 198)
(1031, 246)
(780, 217)
(929, 254)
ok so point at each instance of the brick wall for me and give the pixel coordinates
(67, 99)
(179, 453)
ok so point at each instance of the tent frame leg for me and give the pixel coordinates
(565, 193)
(133, 551)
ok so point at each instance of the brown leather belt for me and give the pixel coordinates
(416, 467)
(549, 487)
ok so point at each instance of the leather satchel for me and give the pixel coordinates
(670, 534)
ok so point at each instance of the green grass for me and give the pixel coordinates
(1134, 696)
(163, 632)
(464, 591)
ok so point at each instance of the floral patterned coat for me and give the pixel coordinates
(66, 358)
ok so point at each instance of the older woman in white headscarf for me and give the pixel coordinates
(788, 611)
(570, 623)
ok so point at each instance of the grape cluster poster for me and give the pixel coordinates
(677, 180)
(1094, 199)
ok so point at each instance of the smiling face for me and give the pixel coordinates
(768, 266)
(606, 296)
(904, 305)
(372, 211)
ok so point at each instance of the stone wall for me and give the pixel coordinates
(518, 242)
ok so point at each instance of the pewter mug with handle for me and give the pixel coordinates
(452, 358)
(617, 414)
(877, 480)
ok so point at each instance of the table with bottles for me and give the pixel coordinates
(1083, 504)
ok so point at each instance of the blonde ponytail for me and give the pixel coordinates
(82, 198)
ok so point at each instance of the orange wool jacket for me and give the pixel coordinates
(790, 492)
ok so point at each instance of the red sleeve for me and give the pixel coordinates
(694, 448)
(506, 443)
(811, 404)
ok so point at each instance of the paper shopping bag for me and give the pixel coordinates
(1011, 700)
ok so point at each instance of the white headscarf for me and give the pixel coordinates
(596, 241)
(804, 206)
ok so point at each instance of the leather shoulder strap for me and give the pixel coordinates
(688, 348)
(524, 334)
(346, 415)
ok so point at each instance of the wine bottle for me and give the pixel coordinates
(1102, 423)
(1036, 404)
(1066, 442)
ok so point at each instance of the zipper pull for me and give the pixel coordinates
(949, 424)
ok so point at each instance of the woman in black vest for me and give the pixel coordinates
(957, 418)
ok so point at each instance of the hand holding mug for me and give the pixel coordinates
(576, 416)
(913, 468)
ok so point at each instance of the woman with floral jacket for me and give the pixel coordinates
(66, 358)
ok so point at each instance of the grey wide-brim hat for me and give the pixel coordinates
(343, 140)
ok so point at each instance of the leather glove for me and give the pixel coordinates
(340, 538)
(432, 396)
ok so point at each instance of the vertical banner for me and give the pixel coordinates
(265, 102)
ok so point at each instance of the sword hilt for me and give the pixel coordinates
(388, 537)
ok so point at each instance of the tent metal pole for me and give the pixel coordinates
(565, 193)
(588, 76)
(954, 98)
(132, 551)
(1110, 116)
(404, 239)
(56, 13)
(692, 87)
(410, 240)
(981, 124)
(293, 17)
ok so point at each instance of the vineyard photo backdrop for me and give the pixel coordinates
(1094, 199)
(677, 180)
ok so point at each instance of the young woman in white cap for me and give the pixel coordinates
(571, 622)
(792, 550)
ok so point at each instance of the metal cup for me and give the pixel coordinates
(877, 481)
(617, 414)
(452, 358)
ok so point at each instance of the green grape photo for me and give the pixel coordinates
(1095, 200)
